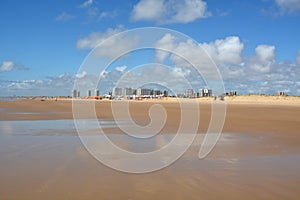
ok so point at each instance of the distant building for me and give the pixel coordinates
(146, 92)
(166, 93)
(89, 93)
(205, 93)
(233, 93)
(74, 94)
(143, 92)
(139, 92)
(156, 92)
(128, 91)
(189, 93)
(97, 92)
(117, 92)
(78, 94)
(280, 93)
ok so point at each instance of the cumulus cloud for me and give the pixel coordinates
(225, 51)
(263, 59)
(96, 38)
(64, 16)
(7, 66)
(168, 11)
(288, 5)
(81, 74)
(257, 73)
(166, 43)
(189, 11)
(111, 47)
(121, 68)
(148, 10)
(198, 62)
(204, 55)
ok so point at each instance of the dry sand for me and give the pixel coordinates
(258, 156)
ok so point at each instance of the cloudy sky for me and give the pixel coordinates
(45, 45)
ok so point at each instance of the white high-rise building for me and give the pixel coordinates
(74, 93)
(97, 92)
(89, 93)
(117, 92)
(128, 92)
(139, 92)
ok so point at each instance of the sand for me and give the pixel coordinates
(257, 157)
(243, 114)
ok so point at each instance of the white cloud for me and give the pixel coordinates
(111, 47)
(298, 58)
(205, 55)
(265, 53)
(224, 51)
(7, 66)
(181, 72)
(148, 10)
(189, 11)
(63, 17)
(96, 38)
(86, 4)
(288, 5)
(81, 75)
(121, 68)
(168, 11)
(258, 73)
(167, 42)
(263, 59)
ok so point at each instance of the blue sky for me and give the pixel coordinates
(42, 42)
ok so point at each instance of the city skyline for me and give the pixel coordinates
(150, 92)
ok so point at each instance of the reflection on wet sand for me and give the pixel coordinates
(55, 165)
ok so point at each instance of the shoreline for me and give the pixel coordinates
(238, 99)
(278, 117)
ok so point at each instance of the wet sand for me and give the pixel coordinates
(257, 157)
(249, 117)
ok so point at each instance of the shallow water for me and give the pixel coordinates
(46, 160)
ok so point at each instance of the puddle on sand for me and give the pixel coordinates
(58, 167)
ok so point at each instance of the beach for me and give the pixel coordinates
(243, 114)
(257, 156)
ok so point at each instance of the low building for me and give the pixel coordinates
(189, 93)
(205, 93)
(280, 93)
(231, 93)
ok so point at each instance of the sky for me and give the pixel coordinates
(46, 46)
